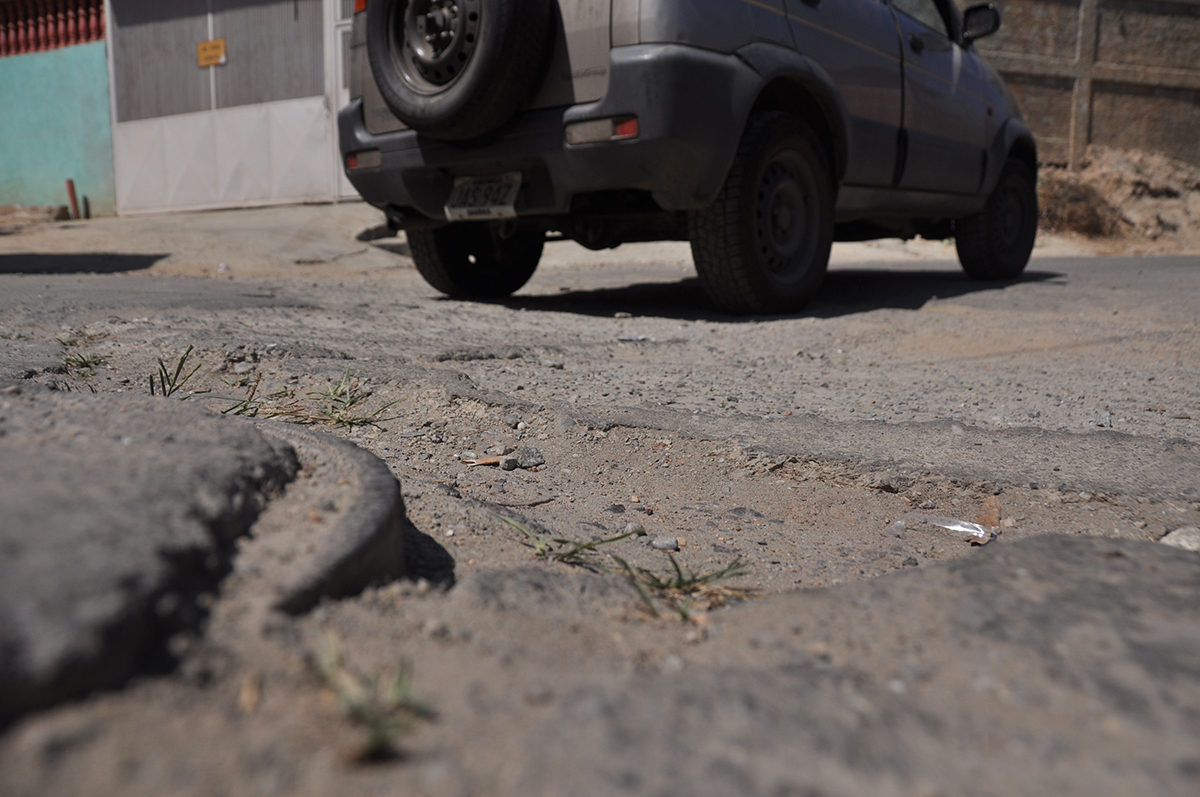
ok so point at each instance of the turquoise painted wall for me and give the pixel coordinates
(54, 124)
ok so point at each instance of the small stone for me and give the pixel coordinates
(910, 562)
(665, 544)
(512, 421)
(1105, 420)
(468, 456)
(895, 530)
(1008, 523)
(636, 529)
(1187, 538)
(508, 462)
(11, 390)
(557, 365)
(990, 516)
(528, 457)
(435, 629)
(538, 695)
(622, 315)
(633, 499)
(243, 368)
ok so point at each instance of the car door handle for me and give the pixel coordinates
(916, 43)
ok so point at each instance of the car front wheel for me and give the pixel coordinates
(996, 243)
(763, 245)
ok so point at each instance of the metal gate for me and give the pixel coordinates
(224, 103)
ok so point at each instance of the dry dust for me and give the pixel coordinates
(1133, 201)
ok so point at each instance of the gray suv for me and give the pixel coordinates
(759, 130)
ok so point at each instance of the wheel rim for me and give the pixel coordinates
(1010, 217)
(433, 40)
(786, 217)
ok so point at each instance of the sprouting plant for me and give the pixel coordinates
(386, 707)
(80, 362)
(82, 339)
(571, 552)
(340, 400)
(170, 382)
(681, 589)
(247, 406)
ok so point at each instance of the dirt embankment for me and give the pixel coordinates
(1136, 200)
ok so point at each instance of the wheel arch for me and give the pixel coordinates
(1013, 140)
(796, 84)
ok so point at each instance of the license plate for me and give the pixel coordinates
(484, 197)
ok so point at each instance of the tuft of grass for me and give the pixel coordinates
(386, 707)
(557, 549)
(82, 362)
(341, 400)
(682, 589)
(337, 407)
(15, 336)
(171, 382)
(83, 339)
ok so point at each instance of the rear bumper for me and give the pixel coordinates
(691, 105)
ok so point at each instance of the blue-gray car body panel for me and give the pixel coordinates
(915, 130)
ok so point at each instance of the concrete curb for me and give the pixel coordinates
(367, 543)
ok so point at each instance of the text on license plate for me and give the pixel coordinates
(484, 197)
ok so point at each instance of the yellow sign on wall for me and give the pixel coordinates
(211, 53)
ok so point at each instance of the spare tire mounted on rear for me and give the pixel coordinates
(457, 69)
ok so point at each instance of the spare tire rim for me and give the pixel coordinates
(1011, 215)
(785, 216)
(434, 40)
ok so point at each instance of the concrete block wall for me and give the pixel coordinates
(1120, 73)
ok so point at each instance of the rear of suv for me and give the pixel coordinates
(758, 130)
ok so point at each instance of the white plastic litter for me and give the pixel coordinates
(961, 526)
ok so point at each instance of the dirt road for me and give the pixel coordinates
(862, 651)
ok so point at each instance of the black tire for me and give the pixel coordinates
(996, 243)
(763, 245)
(479, 66)
(475, 258)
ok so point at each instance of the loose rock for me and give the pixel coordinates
(1187, 538)
(665, 544)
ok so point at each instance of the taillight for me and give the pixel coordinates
(596, 131)
(360, 6)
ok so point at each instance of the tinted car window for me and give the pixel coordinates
(925, 12)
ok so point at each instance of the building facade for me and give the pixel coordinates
(188, 104)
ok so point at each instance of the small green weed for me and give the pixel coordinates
(683, 588)
(171, 382)
(82, 362)
(571, 552)
(340, 400)
(386, 707)
(15, 336)
(81, 339)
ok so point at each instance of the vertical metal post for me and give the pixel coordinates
(1081, 105)
(212, 70)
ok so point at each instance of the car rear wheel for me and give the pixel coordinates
(457, 69)
(763, 245)
(996, 243)
(476, 259)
